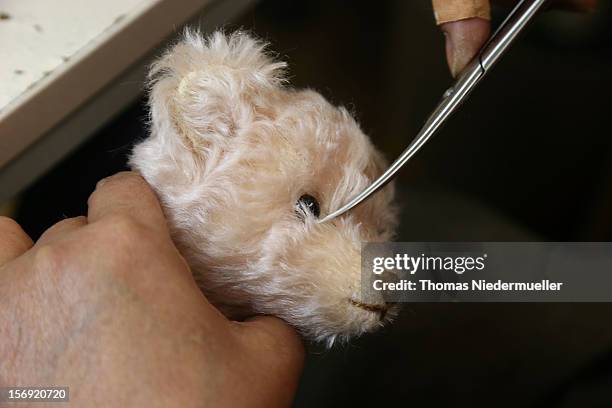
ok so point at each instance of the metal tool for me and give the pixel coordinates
(490, 53)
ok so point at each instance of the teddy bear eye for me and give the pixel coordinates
(310, 204)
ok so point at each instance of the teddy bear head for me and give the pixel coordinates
(245, 167)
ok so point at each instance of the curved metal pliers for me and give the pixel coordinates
(490, 53)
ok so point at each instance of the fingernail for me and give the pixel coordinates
(464, 38)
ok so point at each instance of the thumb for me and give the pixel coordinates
(466, 26)
(279, 352)
(464, 38)
(272, 334)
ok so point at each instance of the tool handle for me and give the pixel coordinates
(508, 30)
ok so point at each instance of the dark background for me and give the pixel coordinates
(529, 157)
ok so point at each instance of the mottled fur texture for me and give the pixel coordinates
(231, 151)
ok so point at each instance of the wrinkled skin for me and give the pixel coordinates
(105, 305)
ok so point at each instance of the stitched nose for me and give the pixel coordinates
(380, 309)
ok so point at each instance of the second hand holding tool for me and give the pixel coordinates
(452, 99)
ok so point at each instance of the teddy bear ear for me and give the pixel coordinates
(205, 89)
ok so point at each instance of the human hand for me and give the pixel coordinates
(466, 25)
(105, 305)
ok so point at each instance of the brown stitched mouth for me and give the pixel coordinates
(382, 309)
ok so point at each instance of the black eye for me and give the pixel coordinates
(308, 203)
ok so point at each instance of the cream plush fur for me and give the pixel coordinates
(231, 151)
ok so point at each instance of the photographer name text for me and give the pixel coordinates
(473, 285)
(402, 264)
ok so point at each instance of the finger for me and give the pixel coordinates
(273, 337)
(13, 240)
(279, 352)
(464, 38)
(446, 11)
(61, 229)
(129, 195)
(466, 26)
